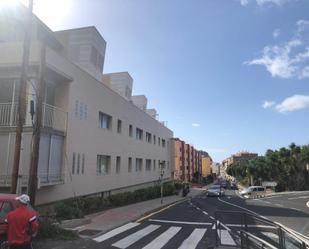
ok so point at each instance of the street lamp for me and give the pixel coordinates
(162, 165)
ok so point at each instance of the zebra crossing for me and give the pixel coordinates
(156, 236)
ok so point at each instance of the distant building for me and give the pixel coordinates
(238, 157)
(206, 164)
(186, 160)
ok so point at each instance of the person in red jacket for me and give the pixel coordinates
(22, 225)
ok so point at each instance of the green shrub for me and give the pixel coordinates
(48, 230)
(68, 210)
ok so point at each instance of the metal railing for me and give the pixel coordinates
(252, 231)
(8, 114)
(44, 179)
(52, 117)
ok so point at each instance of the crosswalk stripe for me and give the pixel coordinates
(160, 241)
(131, 239)
(116, 231)
(194, 238)
(226, 238)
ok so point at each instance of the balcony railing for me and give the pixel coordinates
(52, 117)
(44, 180)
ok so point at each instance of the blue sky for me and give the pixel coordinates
(227, 75)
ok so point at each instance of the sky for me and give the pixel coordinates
(226, 75)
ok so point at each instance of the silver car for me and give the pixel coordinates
(215, 190)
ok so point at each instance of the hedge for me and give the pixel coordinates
(73, 209)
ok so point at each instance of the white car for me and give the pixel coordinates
(253, 191)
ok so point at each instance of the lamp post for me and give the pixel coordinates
(162, 165)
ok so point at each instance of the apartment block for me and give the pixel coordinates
(238, 157)
(94, 139)
(186, 160)
(206, 164)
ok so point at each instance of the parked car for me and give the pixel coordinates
(8, 203)
(234, 186)
(224, 184)
(215, 190)
(254, 191)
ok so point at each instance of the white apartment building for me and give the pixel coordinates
(94, 139)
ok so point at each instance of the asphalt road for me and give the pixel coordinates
(191, 224)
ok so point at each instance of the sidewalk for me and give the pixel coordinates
(112, 218)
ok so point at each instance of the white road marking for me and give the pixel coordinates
(211, 217)
(226, 238)
(194, 238)
(297, 234)
(116, 231)
(300, 197)
(182, 222)
(279, 205)
(307, 204)
(213, 227)
(239, 225)
(131, 239)
(204, 212)
(160, 241)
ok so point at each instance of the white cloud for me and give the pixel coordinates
(276, 33)
(289, 59)
(196, 125)
(244, 2)
(266, 2)
(277, 2)
(268, 104)
(305, 73)
(293, 103)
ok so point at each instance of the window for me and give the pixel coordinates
(159, 141)
(81, 110)
(103, 164)
(5, 207)
(118, 163)
(83, 163)
(154, 165)
(148, 137)
(168, 164)
(119, 125)
(139, 134)
(163, 143)
(78, 164)
(154, 139)
(73, 163)
(148, 164)
(130, 164)
(105, 121)
(131, 130)
(85, 112)
(138, 164)
(76, 108)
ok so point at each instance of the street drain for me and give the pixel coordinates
(89, 232)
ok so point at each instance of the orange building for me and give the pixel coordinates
(186, 160)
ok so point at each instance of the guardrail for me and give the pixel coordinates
(252, 231)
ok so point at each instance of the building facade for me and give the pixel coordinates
(206, 164)
(94, 138)
(238, 157)
(186, 160)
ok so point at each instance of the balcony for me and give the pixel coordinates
(44, 180)
(52, 117)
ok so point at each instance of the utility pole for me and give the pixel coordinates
(162, 164)
(22, 104)
(33, 172)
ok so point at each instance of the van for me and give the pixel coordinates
(254, 191)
